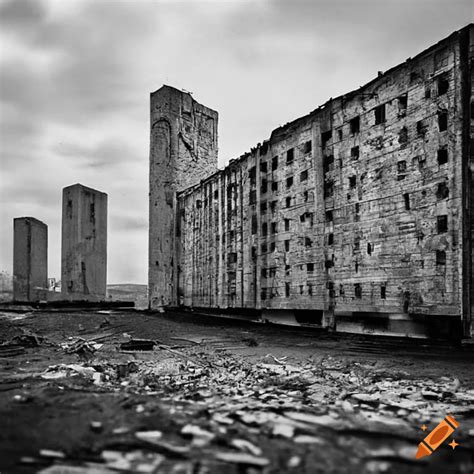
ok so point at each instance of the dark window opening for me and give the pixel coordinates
(273, 205)
(304, 175)
(442, 156)
(264, 248)
(231, 234)
(443, 121)
(357, 208)
(356, 267)
(379, 113)
(305, 196)
(355, 125)
(199, 204)
(263, 167)
(329, 216)
(442, 224)
(254, 224)
(216, 194)
(402, 166)
(358, 290)
(287, 269)
(274, 163)
(263, 207)
(302, 217)
(427, 92)
(263, 187)
(442, 191)
(264, 228)
(287, 245)
(308, 146)
(290, 155)
(274, 185)
(274, 227)
(403, 136)
(383, 292)
(287, 289)
(92, 212)
(272, 246)
(310, 267)
(341, 290)
(308, 242)
(369, 248)
(252, 197)
(330, 239)
(288, 202)
(325, 137)
(289, 182)
(263, 273)
(443, 85)
(339, 133)
(355, 152)
(287, 225)
(329, 264)
(402, 105)
(440, 257)
(254, 253)
(421, 127)
(328, 189)
(263, 294)
(232, 257)
(310, 289)
(328, 163)
(253, 175)
(301, 289)
(352, 181)
(406, 198)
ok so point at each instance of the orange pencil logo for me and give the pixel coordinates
(437, 436)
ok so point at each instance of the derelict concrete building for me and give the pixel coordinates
(358, 216)
(83, 243)
(30, 259)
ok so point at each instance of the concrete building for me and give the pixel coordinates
(84, 244)
(358, 216)
(30, 259)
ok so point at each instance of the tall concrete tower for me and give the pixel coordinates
(84, 244)
(183, 150)
(30, 259)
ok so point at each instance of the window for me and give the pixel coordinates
(443, 85)
(263, 273)
(305, 196)
(355, 125)
(383, 292)
(263, 207)
(273, 205)
(330, 239)
(443, 120)
(290, 155)
(442, 191)
(287, 245)
(254, 224)
(442, 224)
(402, 105)
(69, 209)
(421, 127)
(440, 257)
(328, 189)
(442, 156)
(288, 202)
(379, 113)
(198, 204)
(303, 217)
(92, 212)
(406, 198)
(308, 242)
(308, 146)
(253, 197)
(272, 246)
(328, 163)
(325, 137)
(287, 225)
(216, 194)
(358, 290)
(264, 228)
(289, 182)
(287, 289)
(232, 257)
(303, 175)
(403, 136)
(310, 267)
(263, 294)
(369, 248)
(264, 248)
(274, 185)
(402, 166)
(274, 227)
(329, 216)
(427, 92)
(263, 167)
(355, 152)
(253, 175)
(263, 187)
(352, 181)
(310, 289)
(274, 163)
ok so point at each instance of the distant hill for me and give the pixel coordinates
(129, 292)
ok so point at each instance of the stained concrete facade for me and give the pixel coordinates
(183, 150)
(30, 259)
(84, 244)
(358, 216)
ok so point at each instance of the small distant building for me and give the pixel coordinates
(30, 259)
(84, 244)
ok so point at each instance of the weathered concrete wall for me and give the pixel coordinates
(183, 150)
(84, 243)
(362, 208)
(30, 259)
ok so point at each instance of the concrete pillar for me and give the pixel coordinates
(30, 259)
(84, 244)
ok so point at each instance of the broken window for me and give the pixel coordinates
(92, 212)
(355, 152)
(339, 133)
(442, 224)
(421, 127)
(287, 270)
(254, 224)
(302, 217)
(443, 155)
(443, 84)
(442, 191)
(406, 198)
(325, 137)
(290, 155)
(263, 167)
(379, 113)
(289, 182)
(264, 228)
(288, 202)
(403, 135)
(401, 168)
(328, 189)
(274, 227)
(356, 244)
(357, 290)
(272, 246)
(369, 248)
(263, 207)
(253, 175)
(329, 216)
(274, 163)
(264, 248)
(355, 125)
(352, 181)
(427, 92)
(443, 120)
(330, 239)
(308, 242)
(287, 245)
(274, 185)
(263, 273)
(310, 289)
(310, 267)
(216, 194)
(252, 197)
(402, 105)
(383, 292)
(287, 289)
(273, 205)
(305, 196)
(198, 204)
(328, 163)
(263, 294)
(287, 225)
(308, 146)
(263, 187)
(304, 175)
(232, 257)
(440, 257)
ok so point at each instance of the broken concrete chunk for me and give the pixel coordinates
(149, 435)
(242, 458)
(50, 453)
(245, 445)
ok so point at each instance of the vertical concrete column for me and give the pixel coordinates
(30, 259)
(84, 244)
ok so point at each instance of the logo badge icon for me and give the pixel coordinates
(437, 437)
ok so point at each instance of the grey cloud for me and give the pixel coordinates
(21, 13)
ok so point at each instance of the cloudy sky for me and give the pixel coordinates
(75, 78)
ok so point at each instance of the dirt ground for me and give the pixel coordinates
(219, 396)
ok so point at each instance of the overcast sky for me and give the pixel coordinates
(76, 77)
